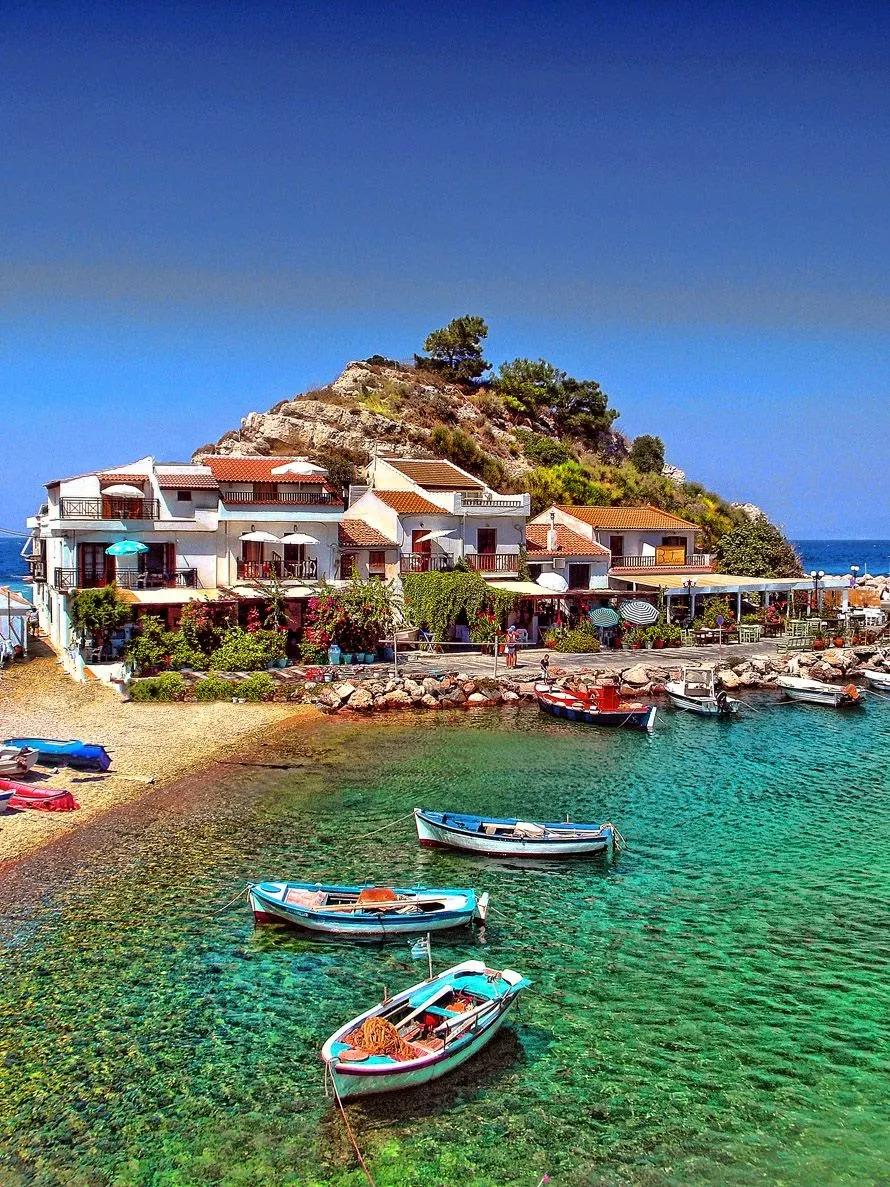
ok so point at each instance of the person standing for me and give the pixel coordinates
(510, 647)
(544, 674)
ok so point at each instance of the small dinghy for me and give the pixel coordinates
(815, 692)
(877, 679)
(422, 1033)
(600, 706)
(16, 759)
(696, 692)
(42, 799)
(512, 838)
(74, 753)
(364, 912)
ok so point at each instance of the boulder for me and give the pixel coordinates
(455, 697)
(429, 701)
(727, 678)
(637, 675)
(431, 684)
(477, 698)
(527, 689)
(413, 689)
(469, 687)
(361, 700)
(344, 691)
(396, 698)
(834, 658)
(509, 696)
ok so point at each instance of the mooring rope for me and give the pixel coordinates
(351, 1135)
(241, 893)
(382, 828)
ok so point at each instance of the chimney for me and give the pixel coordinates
(551, 533)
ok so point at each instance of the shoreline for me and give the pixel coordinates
(152, 745)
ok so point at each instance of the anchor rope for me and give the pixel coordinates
(351, 1135)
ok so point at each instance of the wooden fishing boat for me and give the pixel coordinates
(16, 760)
(696, 692)
(364, 912)
(422, 1033)
(877, 679)
(512, 838)
(600, 706)
(74, 753)
(44, 799)
(815, 692)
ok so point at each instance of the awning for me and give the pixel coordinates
(713, 583)
(526, 589)
(176, 596)
(13, 605)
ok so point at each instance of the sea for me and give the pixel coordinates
(710, 1007)
(12, 566)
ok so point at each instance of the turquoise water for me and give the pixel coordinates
(711, 1008)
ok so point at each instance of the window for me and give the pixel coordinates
(376, 564)
(184, 496)
(579, 576)
(616, 546)
(674, 541)
(534, 571)
(265, 492)
(348, 565)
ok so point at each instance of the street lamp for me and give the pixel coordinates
(816, 576)
(690, 590)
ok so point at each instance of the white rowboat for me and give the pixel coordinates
(815, 692)
(511, 838)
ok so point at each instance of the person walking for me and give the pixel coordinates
(544, 674)
(510, 647)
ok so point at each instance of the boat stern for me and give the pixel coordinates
(482, 907)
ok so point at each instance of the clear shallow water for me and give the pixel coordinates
(711, 1008)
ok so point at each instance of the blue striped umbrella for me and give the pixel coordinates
(604, 616)
(638, 612)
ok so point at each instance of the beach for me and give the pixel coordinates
(150, 744)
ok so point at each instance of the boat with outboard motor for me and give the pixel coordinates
(695, 691)
(602, 705)
(422, 1033)
(72, 752)
(495, 837)
(815, 692)
(364, 912)
(877, 679)
(15, 759)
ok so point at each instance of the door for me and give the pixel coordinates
(294, 560)
(616, 546)
(94, 567)
(251, 565)
(487, 541)
(421, 550)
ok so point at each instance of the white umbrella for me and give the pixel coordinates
(553, 581)
(123, 491)
(437, 535)
(259, 537)
(302, 467)
(297, 538)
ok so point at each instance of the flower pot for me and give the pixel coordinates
(636, 646)
(369, 657)
(658, 644)
(839, 641)
(334, 655)
(818, 644)
(346, 657)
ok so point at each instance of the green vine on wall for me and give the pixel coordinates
(437, 600)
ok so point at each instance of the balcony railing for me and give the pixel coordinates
(284, 570)
(303, 498)
(496, 502)
(37, 569)
(65, 580)
(691, 560)
(109, 508)
(422, 562)
(493, 562)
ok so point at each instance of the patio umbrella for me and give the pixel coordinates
(604, 616)
(297, 538)
(259, 537)
(123, 490)
(299, 467)
(437, 535)
(553, 581)
(638, 612)
(126, 548)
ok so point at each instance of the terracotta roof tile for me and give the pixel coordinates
(408, 502)
(186, 480)
(434, 475)
(628, 518)
(355, 533)
(255, 469)
(133, 479)
(569, 543)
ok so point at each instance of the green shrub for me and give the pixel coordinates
(259, 687)
(214, 688)
(248, 651)
(580, 638)
(171, 687)
(144, 690)
(541, 450)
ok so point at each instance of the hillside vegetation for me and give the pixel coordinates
(523, 426)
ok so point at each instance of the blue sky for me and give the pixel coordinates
(205, 208)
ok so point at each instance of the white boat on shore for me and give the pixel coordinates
(17, 760)
(815, 692)
(877, 679)
(696, 692)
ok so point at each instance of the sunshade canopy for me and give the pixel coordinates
(553, 581)
(123, 490)
(296, 538)
(126, 548)
(604, 616)
(259, 537)
(437, 535)
(638, 612)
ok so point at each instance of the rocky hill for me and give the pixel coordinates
(399, 409)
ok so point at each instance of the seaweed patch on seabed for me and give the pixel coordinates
(673, 1030)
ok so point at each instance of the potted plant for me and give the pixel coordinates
(818, 643)
(838, 640)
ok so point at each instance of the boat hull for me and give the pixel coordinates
(878, 679)
(19, 763)
(642, 718)
(436, 835)
(366, 925)
(703, 706)
(86, 755)
(811, 692)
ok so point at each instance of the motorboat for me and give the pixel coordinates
(364, 912)
(600, 706)
(816, 692)
(16, 760)
(423, 1032)
(495, 837)
(877, 679)
(695, 691)
(72, 752)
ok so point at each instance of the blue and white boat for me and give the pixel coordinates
(364, 912)
(496, 837)
(74, 753)
(422, 1033)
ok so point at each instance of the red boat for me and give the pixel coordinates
(42, 799)
(600, 706)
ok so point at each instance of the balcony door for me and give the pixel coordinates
(94, 567)
(487, 541)
(294, 559)
(422, 548)
(616, 546)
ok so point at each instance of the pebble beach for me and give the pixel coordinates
(150, 745)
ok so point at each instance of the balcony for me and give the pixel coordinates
(663, 560)
(37, 569)
(284, 570)
(492, 504)
(66, 580)
(109, 508)
(289, 498)
(423, 562)
(493, 562)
